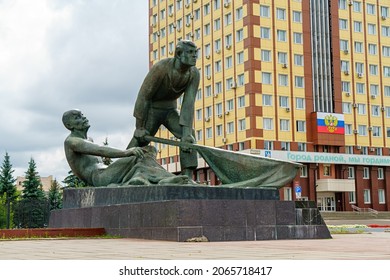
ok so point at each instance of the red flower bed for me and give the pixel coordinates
(378, 226)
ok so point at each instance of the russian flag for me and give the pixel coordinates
(330, 123)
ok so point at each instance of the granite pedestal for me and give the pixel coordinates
(181, 213)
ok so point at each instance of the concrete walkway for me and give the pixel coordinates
(373, 245)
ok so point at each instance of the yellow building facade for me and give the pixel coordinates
(276, 76)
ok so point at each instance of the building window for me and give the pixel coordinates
(267, 100)
(298, 59)
(352, 197)
(219, 130)
(265, 55)
(268, 145)
(357, 26)
(351, 172)
(239, 13)
(298, 38)
(228, 62)
(371, 28)
(372, 49)
(218, 109)
(381, 175)
(239, 35)
(230, 127)
(362, 129)
(348, 129)
(299, 82)
(370, 9)
(367, 196)
(282, 57)
(342, 4)
(284, 125)
(347, 107)
(218, 66)
(375, 110)
(301, 126)
(266, 78)
(287, 194)
(265, 33)
(264, 11)
(241, 102)
(268, 124)
(357, 6)
(240, 57)
(303, 171)
(217, 24)
(285, 146)
(297, 16)
(384, 11)
(299, 103)
(381, 196)
(326, 170)
(358, 47)
(343, 24)
(209, 133)
(349, 150)
(366, 173)
(229, 105)
(199, 114)
(241, 125)
(281, 35)
(228, 19)
(283, 80)
(361, 109)
(360, 88)
(345, 86)
(301, 147)
(344, 45)
(280, 14)
(386, 31)
(386, 90)
(283, 102)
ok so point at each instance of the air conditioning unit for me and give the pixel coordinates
(346, 73)
(153, 25)
(347, 94)
(208, 77)
(218, 51)
(346, 51)
(356, 132)
(188, 24)
(373, 96)
(158, 33)
(191, 16)
(284, 65)
(207, 119)
(287, 109)
(370, 128)
(227, 112)
(187, 5)
(350, 2)
(233, 85)
(170, 52)
(220, 116)
(191, 34)
(216, 95)
(355, 105)
(360, 75)
(170, 14)
(194, 1)
(224, 140)
(372, 149)
(208, 56)
(228, 47)
(383, 17)
(226, 4)
(383, 109)
(179, 29)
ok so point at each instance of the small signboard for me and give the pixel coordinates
(298, 190)
(267, 153)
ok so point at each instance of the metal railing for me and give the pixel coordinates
(369, 211)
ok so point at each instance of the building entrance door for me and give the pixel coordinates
(327, 203)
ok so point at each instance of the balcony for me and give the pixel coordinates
(335, 185)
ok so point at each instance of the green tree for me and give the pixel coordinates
(72, 181)
(32, 211)
(7, 186)
(32, 186)
(55, 196)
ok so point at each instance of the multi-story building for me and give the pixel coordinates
(300, 80)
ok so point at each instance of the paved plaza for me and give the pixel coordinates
(372, 245)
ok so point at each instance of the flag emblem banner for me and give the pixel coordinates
(330, 123)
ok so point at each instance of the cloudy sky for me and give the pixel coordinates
(57, 55)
